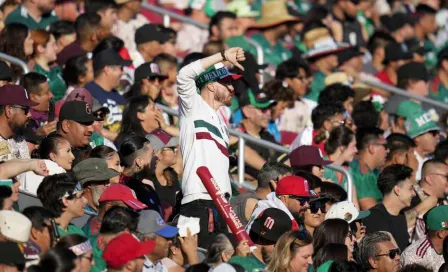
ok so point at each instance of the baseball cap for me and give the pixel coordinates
(148, 70)
(108, 57)
(15, 95)
(256, 99)
(80, 94)
(5, 71)
(78, 111)
(160, 139)
(10, 254)
(307, 155)
(347, 211)
(348, 54)
(93, 169)
(15, 226)
(419, 123)
(408, 108)
(120, 192)
(214, 73)
(96, 106)
(150, 221)
(412, 70)
(396, 21)
(395, 51)
(149, 33)
(271, 224)
(296, 186)
(124, 248)
(437, 218)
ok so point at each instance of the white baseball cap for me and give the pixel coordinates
(15, 226)
(347, 211)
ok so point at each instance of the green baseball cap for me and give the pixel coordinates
(217, 72)
(258, 100)
(419, 123)
(437, 218)
(407, 108)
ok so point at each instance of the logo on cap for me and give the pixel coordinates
(88, 109)
(160, 221)
(444, 224)
(133, 193)
(154, 68)
(261, 96)
(348, 216)
(312, 192)
(269, 223)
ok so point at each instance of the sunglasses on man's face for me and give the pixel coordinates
(392, 253)
(302, 200)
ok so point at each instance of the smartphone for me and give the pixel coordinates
(51, 113)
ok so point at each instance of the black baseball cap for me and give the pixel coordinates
(416, 46)
(395, 51)
(348, 54)
(149, 33)
(148, 70)
(271, 224)
(11, 255)
(413, 70)
(78, 111)
(258, 100)
(5, 71)
(108, 57)
(397, 21)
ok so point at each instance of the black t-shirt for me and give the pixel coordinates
(167, 194)
(381, 220)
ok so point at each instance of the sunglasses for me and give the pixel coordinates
(317, 205)
(392, 253)
(25, 109)
(302, 200)
(101, 115)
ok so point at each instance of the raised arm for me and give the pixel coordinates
(12, 168)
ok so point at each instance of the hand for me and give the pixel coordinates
(47, 128)
(427, 204)
(39, 167)
(243, 249)
(234, 55)
(169, 97)
(189, 244)
(160, 119)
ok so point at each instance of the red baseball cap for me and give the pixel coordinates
(15, 95)
(119, 192)
(294, 185)
(307, 155)
(124, 248)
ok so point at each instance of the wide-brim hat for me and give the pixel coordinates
(274, 13)
(324, 47)
(311, 36)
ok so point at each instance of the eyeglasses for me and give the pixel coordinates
(25, 109)
(317, 205)
(101, 115)
(392, 253)
(302, 200)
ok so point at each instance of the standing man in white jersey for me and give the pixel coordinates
(204, 139)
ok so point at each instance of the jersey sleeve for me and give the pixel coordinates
(186, 86)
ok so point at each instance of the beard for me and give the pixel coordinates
(18, 129)
(265, 255)
(222, 98)
(96, 194)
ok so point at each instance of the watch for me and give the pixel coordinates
(223, 54)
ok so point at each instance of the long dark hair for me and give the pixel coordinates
(56, 260)
(339, 136)
(48, 145)
(330, 231)
(130, 122)
(12, 39)
(330, 252)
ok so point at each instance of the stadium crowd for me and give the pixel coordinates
(96, 176)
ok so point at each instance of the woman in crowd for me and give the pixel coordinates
(314, 215)
(300, 162)
(56, 148)
(82, 248)
(57, 260)
(112, 158)
(292, 252)
(334, 231)
(15, 40)
(148, 81)
(223, 248)
(78, 71)
(330, 252)
(333, 192)
(44, 55)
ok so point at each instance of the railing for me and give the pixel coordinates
(242, 138)
(15, 61)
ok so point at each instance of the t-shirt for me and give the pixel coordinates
(384, 77)
(381, 220)
(20, 15)
(437, 90)
(273, 55)
(331, 175)
(317, 85)
(57, 84)
(365, 180)
(423, 253)
(204, 138)
(98, 246)
(113, 101)
(71, 229)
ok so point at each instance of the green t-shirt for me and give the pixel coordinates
(71, 229)
(317, 86)
(20, 15)
(365, 181)
(273, 55)
(100, 264)
(57, 84)
(431, 56)
(331, 175)
(249, 263)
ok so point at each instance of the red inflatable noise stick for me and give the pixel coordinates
(223, 205)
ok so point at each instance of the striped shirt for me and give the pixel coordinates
(204, 139)
(423, 253)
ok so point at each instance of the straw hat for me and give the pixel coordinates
(274, 13)
(312, 36)
(325, 46)
(361, 89)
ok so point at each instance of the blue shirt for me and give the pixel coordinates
(112, 100)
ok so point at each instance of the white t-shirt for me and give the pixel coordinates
(204, 139)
